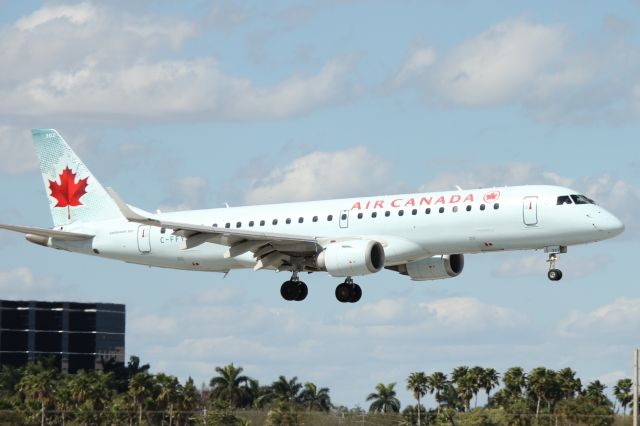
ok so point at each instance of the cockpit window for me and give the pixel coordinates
(581, 199)
(563, 199)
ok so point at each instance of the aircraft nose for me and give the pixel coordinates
(610, 224)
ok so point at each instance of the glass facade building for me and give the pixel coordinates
(79, 336)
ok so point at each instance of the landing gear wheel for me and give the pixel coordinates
(356, 293)
(343, 293)
(289, 290)
(302, 290)
(554, 274)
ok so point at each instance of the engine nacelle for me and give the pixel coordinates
(351, 258)
(433, 268)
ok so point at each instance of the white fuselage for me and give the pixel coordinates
(409, 226)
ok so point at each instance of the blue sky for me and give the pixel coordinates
(194, 104)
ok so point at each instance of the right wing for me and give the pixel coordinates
(271, 250)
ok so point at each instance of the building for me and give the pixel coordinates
(79, 336)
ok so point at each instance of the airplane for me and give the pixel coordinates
(423, 236)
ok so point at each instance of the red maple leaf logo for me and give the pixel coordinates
(491, 196)
(68, 192)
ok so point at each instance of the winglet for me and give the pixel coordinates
(129, 214)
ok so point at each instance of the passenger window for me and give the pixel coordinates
(238, 225)
(300, 219)
(414, 212)
(455, 209)
(563, 199)
(482, 206)
(441, 209)
(288, 220)
(496, 206)
(329, 218)
(262, 222)
(250, 223)
(275, 221)
(163, 230)
(227, 225)
(344, 216)
(315, 218)
(428, 210)
(400, 212)
(387, 213)
(359, 215)
(469, 208)
(374, 214)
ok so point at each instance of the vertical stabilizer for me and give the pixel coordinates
(75, 195)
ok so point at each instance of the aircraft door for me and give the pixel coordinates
(144, 238)
(344, 219)
(530, 211)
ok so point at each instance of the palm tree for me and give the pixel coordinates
(141, 387)
(287, 390)
(515, 380)
(489, 380)
(539, 381)
(595, 391)
(437, 383)
(475, 378)
(314, 398)
(168, 394)
(229, 384)
(187, 401)
(622, 392)
(38, 384)
(418, 384)
(384, 399)
(570, 386)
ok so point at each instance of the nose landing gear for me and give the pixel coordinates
(348, 291)
(554, 274)
(294, 289)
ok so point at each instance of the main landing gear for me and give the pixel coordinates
(294, 289)
(554, 274)
(348, 291)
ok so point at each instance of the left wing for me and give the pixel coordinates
(271, 250)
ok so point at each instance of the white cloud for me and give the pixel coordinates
(322, 175)
(499, 64)
(21, 283)
(538, 66)
(90, 61)
(416, 65)
(613, 322)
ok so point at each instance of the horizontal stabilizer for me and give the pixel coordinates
(52, 233)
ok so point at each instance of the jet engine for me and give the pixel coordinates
(351, 258)
(432, 268)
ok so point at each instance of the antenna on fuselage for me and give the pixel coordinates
(226, 204)
(458, 188)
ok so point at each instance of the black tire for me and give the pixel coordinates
(288, 290)
(303, 290)
(554, 274)
(356, 293)
(343, 293)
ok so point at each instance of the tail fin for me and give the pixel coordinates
(74, 193)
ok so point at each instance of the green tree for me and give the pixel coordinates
(384, 399)
(489, 379)
(622, 392)
(230, 385)
(539, 381)
(418, 384)
(37, 385)
(314, 398)
(141, 390)
(515, 381)
(475, 377)
(437, 383)
(168, 394)
(570, 385)
(286, 390)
